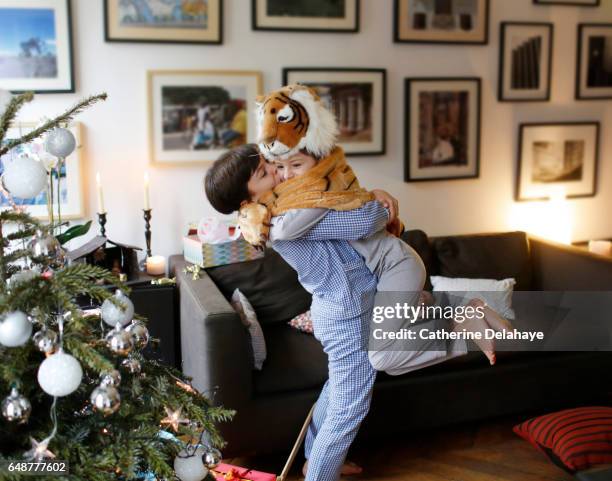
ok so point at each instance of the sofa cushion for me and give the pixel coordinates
(485, 256)
(269, 283)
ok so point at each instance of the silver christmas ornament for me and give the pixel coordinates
(112, 378)
(139, 333)
(46, 340)
(112, 314)
(105, 399)
(16, 407)
(212, 458)
(15, 329)
(60, 142)
(120, 342)
(25, 177)
(132, 365)
(46, 249)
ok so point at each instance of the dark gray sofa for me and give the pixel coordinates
(271, 404)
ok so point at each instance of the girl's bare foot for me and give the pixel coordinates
(476, 324)
(348, 468)
(492, 318)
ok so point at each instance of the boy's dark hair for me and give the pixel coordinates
(226, 181)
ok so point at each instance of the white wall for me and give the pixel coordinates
(116, 131)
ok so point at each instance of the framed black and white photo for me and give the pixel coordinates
(36, 46)
(442, 129)
(340, 16)
(571, 3)
(357, 97)
(168, 21)
(594, 61)
(557, 156)
(525, 61)
(441, 21)
(197, 115)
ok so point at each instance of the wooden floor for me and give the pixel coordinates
(487, 451)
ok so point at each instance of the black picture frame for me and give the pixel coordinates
(518, 194)
(579, 94)
(256, 26)
(504, 26)
(397, 38)
(409, 176)
(567, 4)
(382, 72)
(108, 38)
(70, 88)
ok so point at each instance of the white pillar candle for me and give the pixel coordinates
(146, 191)
(601, 247)
(100, 195)
(156, 265)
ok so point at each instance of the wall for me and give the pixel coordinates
(116, 131)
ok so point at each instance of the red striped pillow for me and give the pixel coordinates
(574, 439)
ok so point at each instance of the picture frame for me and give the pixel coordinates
(569, 3)
(200, 23)
(73, 197)
(593, 70)
(358, 98)
(553, 156)
(36, 39)
(306, 15)
(440, 22)
(197, 115)
(442, 128)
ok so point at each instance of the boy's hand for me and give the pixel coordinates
(389, 202)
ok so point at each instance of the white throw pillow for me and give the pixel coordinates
(497, 294)
(247, 314)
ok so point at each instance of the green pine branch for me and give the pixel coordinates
(11, 111)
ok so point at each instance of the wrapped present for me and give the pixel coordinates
(227, 472)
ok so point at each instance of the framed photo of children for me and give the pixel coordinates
(71, 182)
(164, 21)
(442, 129)
(441, 21)
(357, 97)
(340, 16)
(36, 46)
(525, 61)
(196, 115)
(557, 156)
(594, 61)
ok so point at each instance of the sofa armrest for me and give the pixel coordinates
(559, 267)
(215, 344)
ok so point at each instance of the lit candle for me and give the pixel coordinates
(156, 265)
(146, 191)
(100, 195)
(601, 247)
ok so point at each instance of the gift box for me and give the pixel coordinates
(210, 255)
(227, 472)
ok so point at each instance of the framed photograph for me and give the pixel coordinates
(72, 186)
(163, 21)
(340, 16)
(196, 115)
(36, 46)
(557, 155)
(442, 129)
(525, 61)
(594, 61)
(441, 21)
(357, 97)
(578, 3)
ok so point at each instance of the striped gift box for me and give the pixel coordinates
(211, 255)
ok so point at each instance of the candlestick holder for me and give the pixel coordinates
(102, 222)
(147, 218)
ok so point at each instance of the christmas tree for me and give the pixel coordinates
(74, 385)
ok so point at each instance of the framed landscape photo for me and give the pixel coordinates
(441, 21)
(578, 3)
(442, 129)
(164, 21)
(36, 46)
(340, 16)
(594, 61)
(71, 184)
(357, 97)
(525, 61)
(197, 115)
(557, 155)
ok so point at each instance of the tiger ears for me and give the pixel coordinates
(260, 99)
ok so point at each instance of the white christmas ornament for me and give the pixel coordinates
(190, 468)
(60, 142)
(25, 177)
(15, 329)
(112, 314)
(60, 374)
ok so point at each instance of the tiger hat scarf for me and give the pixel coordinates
(290, 120)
